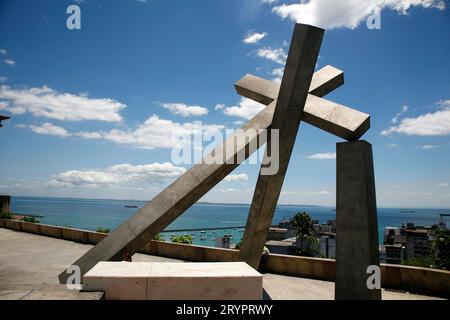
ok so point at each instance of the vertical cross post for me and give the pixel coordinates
(356, 222)
(301, 61)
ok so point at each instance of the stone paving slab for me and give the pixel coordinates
(31, 262)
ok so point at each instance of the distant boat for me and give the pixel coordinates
(128, 206)
(407, 211)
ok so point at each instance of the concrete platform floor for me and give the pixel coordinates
(29, 265)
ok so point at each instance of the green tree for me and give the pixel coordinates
(158, 237)
(182, 239)
(302, 224)
(102, 230)
(31, 219)
(425, 262)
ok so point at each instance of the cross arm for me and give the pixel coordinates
(332, 117)
(265, 91)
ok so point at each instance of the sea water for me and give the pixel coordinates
(91, 214)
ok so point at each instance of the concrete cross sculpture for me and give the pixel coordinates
(297, 98)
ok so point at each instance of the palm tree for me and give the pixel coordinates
(302, 224)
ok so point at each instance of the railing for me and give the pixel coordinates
(418, 280)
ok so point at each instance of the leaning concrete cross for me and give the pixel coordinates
(339, 120)
(167, 206)
(162, 210)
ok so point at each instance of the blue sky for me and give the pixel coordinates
(92, 109)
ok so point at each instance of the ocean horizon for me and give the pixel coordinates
(90, 214)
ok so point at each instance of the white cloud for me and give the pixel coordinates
(278, 73)
(3, 51)
(429, 147)
(10, 62)
(118, 174)
(246, 109)
(50, 129)
(304, 193)
(322, 156)
(89, 135)
(442, 184)
(330, 14)
(276, 55)
(185, 110)
(232, 190)
(154, 133)
(269, 1)
(236, 177)
(3, 79)
(255, 37)
(430, 124)
(48, 103)
(219, 106)
(398, 115)
(392, 145)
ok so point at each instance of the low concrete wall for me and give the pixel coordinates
(190, 252)
(13, 224)
(75, 235)
(415, 279)
(51, 231)
(418, 280)
(31, 227)
(315, 268)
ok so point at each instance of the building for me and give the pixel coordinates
(390, 234)
(419, 243)
(286, 246)
(223, 242)
(394, 253)
(279, 234)
(382, 252)
(327, 246)
(408, 242)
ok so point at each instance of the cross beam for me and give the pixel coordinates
(162, 210)
(339, 120)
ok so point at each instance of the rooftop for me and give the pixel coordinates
(29, 265)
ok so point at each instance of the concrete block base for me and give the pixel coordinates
(175, 281)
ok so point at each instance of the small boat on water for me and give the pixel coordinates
(407, 211)
(130, 206)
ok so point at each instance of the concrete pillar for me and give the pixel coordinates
(356, 225)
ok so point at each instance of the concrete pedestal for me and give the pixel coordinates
(174, 281)
(356, 225)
